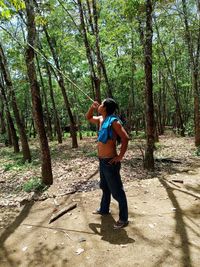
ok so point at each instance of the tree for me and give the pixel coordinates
(11, 128)
(47, 176)
(194, 64)
(11, 92)
(61, 82)
(150, 129)
(56, 117)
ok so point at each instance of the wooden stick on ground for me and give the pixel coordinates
(177, 181)
(62, 212)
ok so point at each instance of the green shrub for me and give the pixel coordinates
(35, 184)
(198, 151)
(140, 134)
(17, 165)
(189, 129)
(91, 154)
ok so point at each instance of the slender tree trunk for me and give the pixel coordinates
(3, 125)
(100, 61)
(10, 143)
(56, 117)
(175, 89)
(194, 64)
(11, 126)
(48, 118)
(131, 101)
(95, 79)
(149, 159)
(8, 82)
(47, 176)
(160, 106)
(63, 90)
(2, 119)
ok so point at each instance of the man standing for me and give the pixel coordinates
(110, 129)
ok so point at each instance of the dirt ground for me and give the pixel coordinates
(164, 213)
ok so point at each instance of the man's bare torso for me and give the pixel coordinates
(107, 150)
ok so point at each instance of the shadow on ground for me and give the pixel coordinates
(105, 229)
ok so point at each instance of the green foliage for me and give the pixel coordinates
(139, 134)
(34, 184)
(18, 165)
(91, 154)
(18, 4)
(3, 138)
(121, 25)
(198, 151)
(157, 145)
(189, 129)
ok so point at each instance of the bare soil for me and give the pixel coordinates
(164, 210)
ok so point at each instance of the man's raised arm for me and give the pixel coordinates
(90, 114)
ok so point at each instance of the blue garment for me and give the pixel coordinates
(106, 131)
(111, 184)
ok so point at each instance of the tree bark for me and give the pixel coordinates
(175, 89)
(56, 117)
(95, 79)
(194, 65)
(21, 128)
(11, 127)
(100, 61)
(48, 118)
(63, 89)
(2, 119)
(47, 176)
(149, 158)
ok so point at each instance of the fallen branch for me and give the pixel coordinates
(177, 181)
(67, 193)
(62, 212)
(168, 160)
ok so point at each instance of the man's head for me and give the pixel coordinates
(108, 105)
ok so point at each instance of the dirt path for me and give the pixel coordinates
(163, 230)
(164, 227)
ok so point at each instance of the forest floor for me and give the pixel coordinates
(164, 209)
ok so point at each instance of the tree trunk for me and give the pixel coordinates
(95, 78)
(131, 100)
(11, 126)
(100, 61)
(175, 89)
(56, 117)
(3, 126)
(48, 119)
(149, 159)
(2, 120)
(8, 82)
(10, 143)
(63, 90)
(47, 176)
(194, 65)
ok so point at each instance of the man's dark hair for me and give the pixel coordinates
(110, 105)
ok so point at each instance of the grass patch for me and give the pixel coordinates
(197, 152)
(140, 134)
(91, 154)
(19, 165)
(35, 184)
(158, 145)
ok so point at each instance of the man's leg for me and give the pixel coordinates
(106, 194)
(113, 179)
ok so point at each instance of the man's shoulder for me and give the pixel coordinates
(115, 119)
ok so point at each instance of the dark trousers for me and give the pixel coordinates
(111, 184)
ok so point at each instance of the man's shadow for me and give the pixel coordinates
(108, 233)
